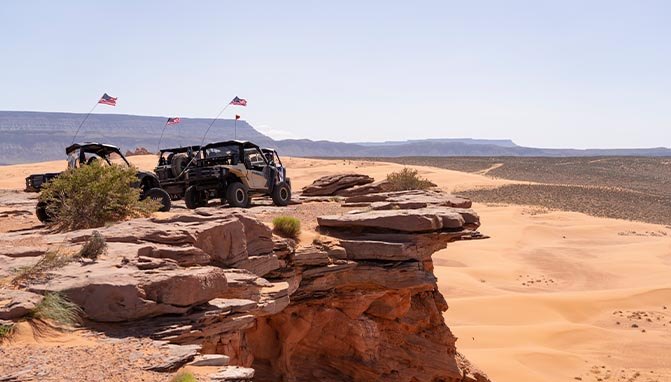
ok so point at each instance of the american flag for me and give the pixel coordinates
(239, 101)
(173, 121)
(107, 100)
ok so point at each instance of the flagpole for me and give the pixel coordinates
(236, 128)
(158, 147)
(202, 141)
(85, 118)
(213, 121)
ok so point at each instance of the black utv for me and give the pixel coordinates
(170, 169)
(234, 171)
(81, 154)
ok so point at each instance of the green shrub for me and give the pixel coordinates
(183, 376)
(94, 247)
(407, 179)
(90, 196)
(54, 307)
(287, 226)
(52, 259)
(6, 331)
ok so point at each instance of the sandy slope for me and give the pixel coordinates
(541, 300)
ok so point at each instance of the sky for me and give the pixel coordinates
(565, 73)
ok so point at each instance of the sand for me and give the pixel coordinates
(551, 296)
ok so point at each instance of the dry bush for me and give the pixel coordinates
(287, 226)
(95, 246)
(90, 196)
(407, 179)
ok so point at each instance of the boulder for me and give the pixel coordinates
(15, 304)
(331, 184)
(107, 293)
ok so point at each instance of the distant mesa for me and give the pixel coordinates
(41, 136)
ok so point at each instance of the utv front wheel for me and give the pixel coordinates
(282, 194)
(193, 198)
(42, 214)
(161, 196)
(237, 195)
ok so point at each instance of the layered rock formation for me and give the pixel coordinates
(359, 304)
(332, 184)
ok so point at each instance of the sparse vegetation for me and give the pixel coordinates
(287, 226)
(56, 308)
(94, 247)
(408, 179)
(52, 259)
(6, 330)
(90, 196)
(183, 376)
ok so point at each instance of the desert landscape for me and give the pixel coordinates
(548, 295)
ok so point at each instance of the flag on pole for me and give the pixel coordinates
(237, 117)
(239, 101)
(173, 121)
(107, 100)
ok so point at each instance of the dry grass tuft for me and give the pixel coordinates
(56, 308)
(183, 376)
(287, 226)
(51, 260)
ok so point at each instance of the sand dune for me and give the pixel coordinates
(551, 296)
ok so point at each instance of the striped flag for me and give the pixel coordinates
(173, 121)
(239, 101)
(107, 100)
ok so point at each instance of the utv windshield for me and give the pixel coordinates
(222, 151)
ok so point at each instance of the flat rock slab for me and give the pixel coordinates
(178, 356)
(420, 220)
(210, 360)
(409, 200)
(233, 374)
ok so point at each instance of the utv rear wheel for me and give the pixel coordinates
(161, 196)
(282, 194)
(237, 195)
(178, 163)
(194, 198)
(42, 214)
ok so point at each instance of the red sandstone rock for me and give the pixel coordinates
(331, 184)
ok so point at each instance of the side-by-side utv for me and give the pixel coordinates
(234, 171)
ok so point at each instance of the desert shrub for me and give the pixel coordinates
(56, 308)
(407, 179)
(94, 247)
(6, 330)
(52, 259)
(287, 226)
(183, 376)
(90, 196)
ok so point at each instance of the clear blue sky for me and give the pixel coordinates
(559, 73)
